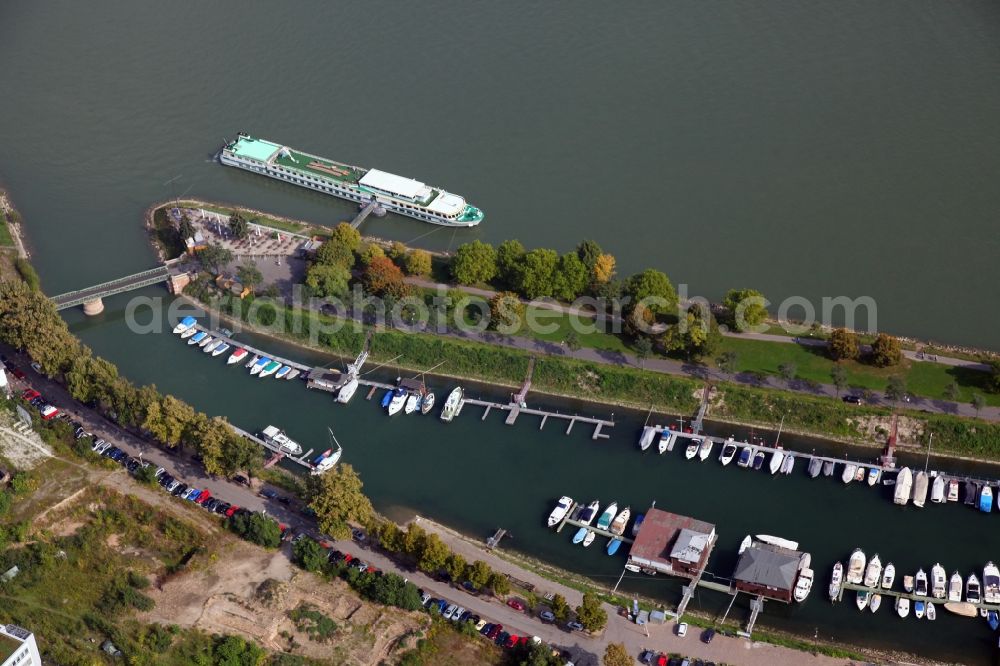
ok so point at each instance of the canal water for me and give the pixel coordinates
(510, 476)
(802, 147)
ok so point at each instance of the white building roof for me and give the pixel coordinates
(447, 203)
(381, 180)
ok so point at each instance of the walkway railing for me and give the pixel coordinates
(112, 287)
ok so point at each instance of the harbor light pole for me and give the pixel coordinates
(927, 461)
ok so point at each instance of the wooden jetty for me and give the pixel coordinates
(907, 595)
(514, 411)
(494, 540)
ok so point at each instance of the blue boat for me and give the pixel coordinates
(259, 365)
(197, 337)
(387, 398)
(758, 459)
(986, 499)
(184, 324)
(638, 523)
(613, 546)
(918, 609)
(580, 535)
(746, 455)
(993, 619)
(280, 374)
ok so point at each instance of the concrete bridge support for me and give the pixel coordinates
(94, 307)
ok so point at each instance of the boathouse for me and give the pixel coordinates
(672, 544)
(325, 380)
(767, 570)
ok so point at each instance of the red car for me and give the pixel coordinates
(523, 640)
(231, 510)
(516, 604)
(661, 660)
(511, 641)
(30, 394)
(494, 632)
(49, 412)
(18, 373)
(203, 497)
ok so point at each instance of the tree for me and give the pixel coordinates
(604, 270)
(727, 362)
(643, 348)
(240, 454)
(510, 255)
(993, 384)
(383, 278)
(506, 312)
(328, 280)
(538, 270)
(787, 371)
(653, 288)
(571, 278)
(616, 655)
(696, 336)
(499, 583)
(28, 321)
(474, 262)
(215, 258)
(389, 535)
(590, 613)
(413, 540)
(397, 252)
(434, 554)
(339, 249)
(886, 351)
(337, 499)
(843, 345)
(346, 236)
(746, 308)
(540, 654)
(977, 402)
(895, 389)
(588, 252)
(256, 528)
(238, 225)
(478, 573)
(309, 555)
(90, 378)
(236, 651)
(839, 376)
(560, 608)
(370, 252)
(951, 391)
(572, 340)
(184, 228)
(455, 567)
(418, 262)
(249, 275)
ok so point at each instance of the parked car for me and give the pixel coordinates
(661, 659)
(179, 490)
(79, 432)
(18, 374)
(707, 636)
(494, 632)
(516, 604)
(646, 657)
(480, 625)
(502, 638)
(202, 497)
(449, 611)
(49, 412)
(268, 493)
(486, 628)
(853, 399)
(37, 401)
(457, 615)
(358, 536)
(424, 598)
(242, 480)
(682, 629)
(172, 486)
(231, 510)
(210, 504)
(511, 641)
(160, 471)
(36, 366)
(573, 625)
(547, 616)
(30, 394)
(98, 443)
(221, 507)
(192, 494)
(440, 605)
(469, 587)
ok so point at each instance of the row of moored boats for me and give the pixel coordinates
(216, 345)
(745, 454)
(611, 520)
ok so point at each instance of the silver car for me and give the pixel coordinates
(449, 611)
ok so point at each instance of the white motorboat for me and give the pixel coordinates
(746, 543)
(777, 541)
(919, 608)
(728, 452)
(705, 449)
(939, 582)
(269, 369)
(692, 448)
(908, 584)
(937, 490)
(252, 362)
(237, 356)
(931, 611)
(888, 576)
(901, 491)
(585, 518)
(560, 510)
(952, 490)
(412, 400)
(874, 474)
(920, 584)
(803, 585)
(188, 333)
(849, 471)
(397, 402)
(211, 346)
(973, 591)
(348, 390)
(836, 580)
(619, 523)
(814, 467)
(664, 442)
(962, 608)
(427, 403)
(610, 511)
(919, 496)
(859, 473)
(184, 325)
(293, 373)
(648, 434)
(198, 337)
(955, 587)
(207, 340)
(259, 365)
(276, 437)
(873, 573)
(589, 539)
(777, 458)
(856, 567)
(902, 606)
(991, 584)
(452, 404)
(875, 602)
(220, 350)
(746, 456)
(788, 466)
(862, 599)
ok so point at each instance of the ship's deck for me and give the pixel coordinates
(320, 167)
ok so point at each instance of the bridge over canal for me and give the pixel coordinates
(91, 298)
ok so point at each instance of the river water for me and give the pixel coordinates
(807, 148)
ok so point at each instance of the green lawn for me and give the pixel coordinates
(562, 325)
(5, 238)
(263, 220)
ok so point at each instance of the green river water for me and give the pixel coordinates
(807, 148)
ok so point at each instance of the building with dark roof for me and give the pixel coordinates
(767, 570)
(672, 544)
(325, 380)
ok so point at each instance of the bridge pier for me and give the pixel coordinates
(94, 307)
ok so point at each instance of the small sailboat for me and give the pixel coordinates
(269, 369)
(427, 403)
(955, 587)
(197, 338)
(986, 499)
(646, 439)
(692, 449)
(873, 573)
(875, 602)
(789, 465)
(705, 449)
(220, 350)
(283, 372)
(777, 458)
(856, 567)
(411, 403)
(259, 365)
(937, 490)
(862, 599)
(848, 474)
(901, 491)
(252, 362)
(803, 585)
(908, 584)
(952, 490)
(397, 402)
(920, 584)
(188, 333)
(758, 460)
(815, 467)
(561, 509)
(604, 522)
(931, 611)
(237, 356)
(836, 580)
(888, 576)
(184, 324)
(452, 404)
(918, 609)
(961, 608)
(920, 489)
(873, 475)
(828, 467)
(973, 592)
(939, 583)
(329, 458)
(746, 456)
(621, 520)
(902, 606)
(728, 452)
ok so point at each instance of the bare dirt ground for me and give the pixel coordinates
(249, 591)
(21, 446)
